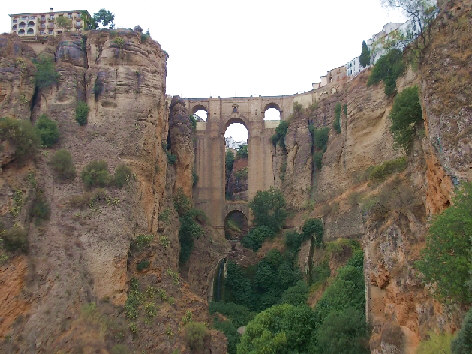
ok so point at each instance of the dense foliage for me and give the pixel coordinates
(280, 329)
(20, 134)
(256, 237)
(103, 17)
(63, 165)
(269, 209)
(446, 260)
(280, 133)
(229, 161)
(46, 74)
(382, 171)
(195, 334)
(388, 69)
(96, 174)
(190, 228)
(122, 175)
(47, 130)
(436, 343)
(364, 58)
(313, 227)
(406, 115)
(242, 152)
(337, 118)
(81, 112)
(462, 344)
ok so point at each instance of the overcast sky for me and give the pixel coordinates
(240, 48)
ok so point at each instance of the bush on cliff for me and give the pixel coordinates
(20, 134)
(406, 116)
(388, 69)
(63, 165)
(255, 238)
(46, 74)
(446, 261)
(81, 112)
(47, 130)
(95, 174)
(280, 133)
(269, 209)
(462, 344)
(122, 175)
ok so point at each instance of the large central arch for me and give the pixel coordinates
(209, 193)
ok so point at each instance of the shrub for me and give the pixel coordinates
(63, 165)
(293, 240)
(40, 207)
(122, 175)
(231, 333)
(320, 138)
(182, 203)
(344, 331)
(385, 169)
(446, 260)
(81, 112)
(296, 295)
(21, 135)
(88, 199)
(313, 227)
(95, 174)
(242, 152)
(256, 237)
(240, 315)
(337, 118)
(48, 131)
(387, 69)
(195, 334)
(406, 115)
(189, 231)
(269, 209)
(280, 133)
(462, 344)
(46, 74)
(141, 241)
(142, 265)
(119, 42)
(437, 343)
(229, 161)
(279, 329)
(15, 239)
(318, 159)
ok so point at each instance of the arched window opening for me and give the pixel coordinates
(236, 162)
(236, 225)
(272, 114)
(31, 23)
(201, 115)
(30, 31)
(21, 31)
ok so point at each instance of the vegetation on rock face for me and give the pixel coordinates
(436, 343)
(406, 115)
(195, 334)
(122, 175)
(269, 209)
(229, 161)
(47, 130)
(242, 152)
(462, 344)
(190, 228)
(256, 237)
(320, 142)
(15, 239)
(388, 69)
(446, 260)
(96, 174)
(313, 227)
(337, 118)
(81, 112)
(21, 135)
(385, 169)
(46, 74)
(280, 133)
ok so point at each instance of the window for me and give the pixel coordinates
(50, 31)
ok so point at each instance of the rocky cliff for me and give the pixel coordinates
(391, 216)
(102, 272)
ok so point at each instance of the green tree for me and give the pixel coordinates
(313, 227)
(344, 332)
(242, 152)
(46, 74)
(62, 164)
(388, 69)
(229, 161)
(104, 17)
(462, 344)
(296, 295)
(280, 133)
(446, 261)
(256, 237)
(64, 22)
(280, 329)
(89, 22)
(421, 12)
(269, 209)
(406, 115)
(337, 118)
(21, 135)
(195, 334)
(48, 131)
(364, 58)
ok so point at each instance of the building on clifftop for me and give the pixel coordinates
(47, 23)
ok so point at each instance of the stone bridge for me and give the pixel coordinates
(209, 194)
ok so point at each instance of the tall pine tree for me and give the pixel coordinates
(364, 58)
